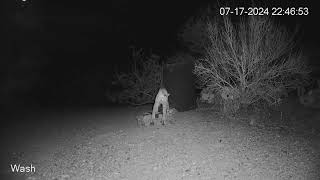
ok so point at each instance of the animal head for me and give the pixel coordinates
(307, 99)
(164, 92)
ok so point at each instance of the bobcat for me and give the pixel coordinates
(207, 95)
(161, 98)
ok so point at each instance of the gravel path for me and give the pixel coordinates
(107, 144)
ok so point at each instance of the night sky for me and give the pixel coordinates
(72, 47)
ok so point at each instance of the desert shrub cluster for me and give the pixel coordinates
(244, 60)
(247, 60)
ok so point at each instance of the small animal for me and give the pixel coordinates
(207, 95)
(311, 99)
(161, 99)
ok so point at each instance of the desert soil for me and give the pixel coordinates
(107, 144)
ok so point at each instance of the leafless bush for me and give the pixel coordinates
(141, 84)
(251, 61)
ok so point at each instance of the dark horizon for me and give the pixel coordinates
(69, 42)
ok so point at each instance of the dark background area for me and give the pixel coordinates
(57, 53)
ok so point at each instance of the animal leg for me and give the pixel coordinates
(164, 112)
(155, 109)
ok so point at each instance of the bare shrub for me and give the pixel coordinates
(141, 84)
(254, 59)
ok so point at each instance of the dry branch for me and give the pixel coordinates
(140, 85)
(256, 57)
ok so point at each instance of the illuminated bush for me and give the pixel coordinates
(251, 59)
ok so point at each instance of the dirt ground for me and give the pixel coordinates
(206, 145)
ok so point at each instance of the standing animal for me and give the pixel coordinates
(161, 99)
